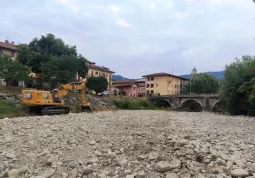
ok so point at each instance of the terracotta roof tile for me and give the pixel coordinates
(8, 46)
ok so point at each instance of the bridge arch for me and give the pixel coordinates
(216, 102)
(191, 105)
(164, 102)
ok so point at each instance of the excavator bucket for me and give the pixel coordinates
(86, 109)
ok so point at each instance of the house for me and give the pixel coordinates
(9, 49)
(94, 70)
(141, 90)
(125, 87)
(164, 84)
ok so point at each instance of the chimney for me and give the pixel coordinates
(12, 42)
(6, 41)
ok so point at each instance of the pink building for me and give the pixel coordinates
(125, 87)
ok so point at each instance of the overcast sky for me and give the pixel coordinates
(137, 37)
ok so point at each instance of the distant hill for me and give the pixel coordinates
(218, 75)
(119, 77)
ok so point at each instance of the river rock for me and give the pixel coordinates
(172, 175)
(239, 173)
(163, 166)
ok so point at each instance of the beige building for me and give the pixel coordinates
(95, 70)
(164, 84)
(141, 90)
(8, 49)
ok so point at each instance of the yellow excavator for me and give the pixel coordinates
(47, 103)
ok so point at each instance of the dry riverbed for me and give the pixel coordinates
(141, 144)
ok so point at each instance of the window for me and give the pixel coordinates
(147, 86)
(12, 53)
(96, 73)
(152, 85)
(152, 78)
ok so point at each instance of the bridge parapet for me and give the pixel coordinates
(206, 101)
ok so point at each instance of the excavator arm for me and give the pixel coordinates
(61, 92)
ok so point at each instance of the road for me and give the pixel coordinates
(128, 144)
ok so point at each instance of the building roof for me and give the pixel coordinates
(140, 80)
(164, 74)
(8, 45)
(122, 83)
(92, 65)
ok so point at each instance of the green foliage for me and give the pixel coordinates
(62, 70)
(202, 83)
(98, 84)
(238, 86)
(133, 104)
(8, 109)
(56, 61)
(12, 71)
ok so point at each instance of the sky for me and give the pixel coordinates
(138, 37)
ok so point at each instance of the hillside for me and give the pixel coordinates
(119, 77)
(218, 75)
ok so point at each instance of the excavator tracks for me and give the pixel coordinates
(54, 110)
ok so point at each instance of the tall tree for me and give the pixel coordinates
(202, 83)
(238, 86)
(13, 71)
(98, 84)
(42, 50)
(62, 70)
(51, 57)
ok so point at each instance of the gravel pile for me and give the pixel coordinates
(128, 144)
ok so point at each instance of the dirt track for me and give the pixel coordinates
(127, 144)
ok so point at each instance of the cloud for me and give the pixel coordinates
(181, 15)
(134, 37)
(170, 5)
(122, 22)
(69, 3)
(115, 9)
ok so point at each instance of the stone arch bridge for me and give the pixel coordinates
(206, 101)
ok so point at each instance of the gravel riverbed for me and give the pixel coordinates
(128, 144)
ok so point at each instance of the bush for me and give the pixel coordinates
(134, 104)
(10, 109)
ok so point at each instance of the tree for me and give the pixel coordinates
(40, 51)
(98, 84)
(62, 70)
(53, 59)
(13, 71)
(202, 83)
(238, 86)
